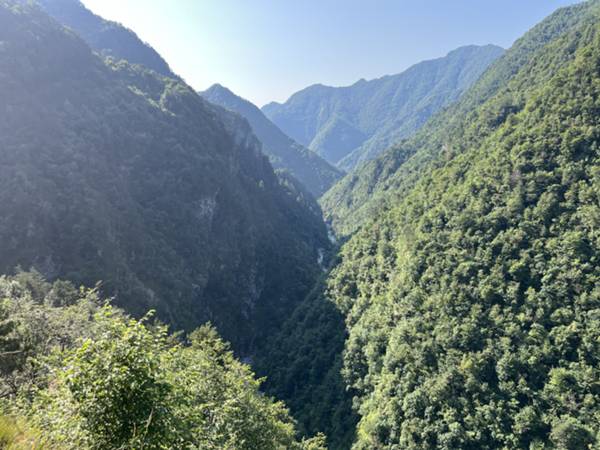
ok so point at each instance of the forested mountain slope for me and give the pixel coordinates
(283, 152)
(111, 172)
(361, 195)
(106, 37)
(472, 305)
(353, 124)
(474, 308)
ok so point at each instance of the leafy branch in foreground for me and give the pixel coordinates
(125, 383)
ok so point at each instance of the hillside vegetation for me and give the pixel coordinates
(381, 183)
(79, 374)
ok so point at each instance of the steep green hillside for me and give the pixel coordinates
(476, 323)
(354, 124)
(474, 306)
(110, 172)
(107, 38)
(284, 153)
(471, 305)
(111, 39)
(303, 366)
(376, 185)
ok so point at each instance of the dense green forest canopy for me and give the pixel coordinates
(470, 302)
(487, 277)
(381, 183)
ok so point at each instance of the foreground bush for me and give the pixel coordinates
(126, 384)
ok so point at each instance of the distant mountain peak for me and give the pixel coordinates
(217, 87)
(470, 47)
(311, 170)
(352, 124)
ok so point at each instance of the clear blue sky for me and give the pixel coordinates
(267, 49)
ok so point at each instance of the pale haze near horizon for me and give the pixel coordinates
(265, 50)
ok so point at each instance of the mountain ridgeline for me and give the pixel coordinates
(110, 172)
(110, 39)
(315, 173)
(113, 40)
(461, 311)
(382, 182)
(350, 125)
(470, 303)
